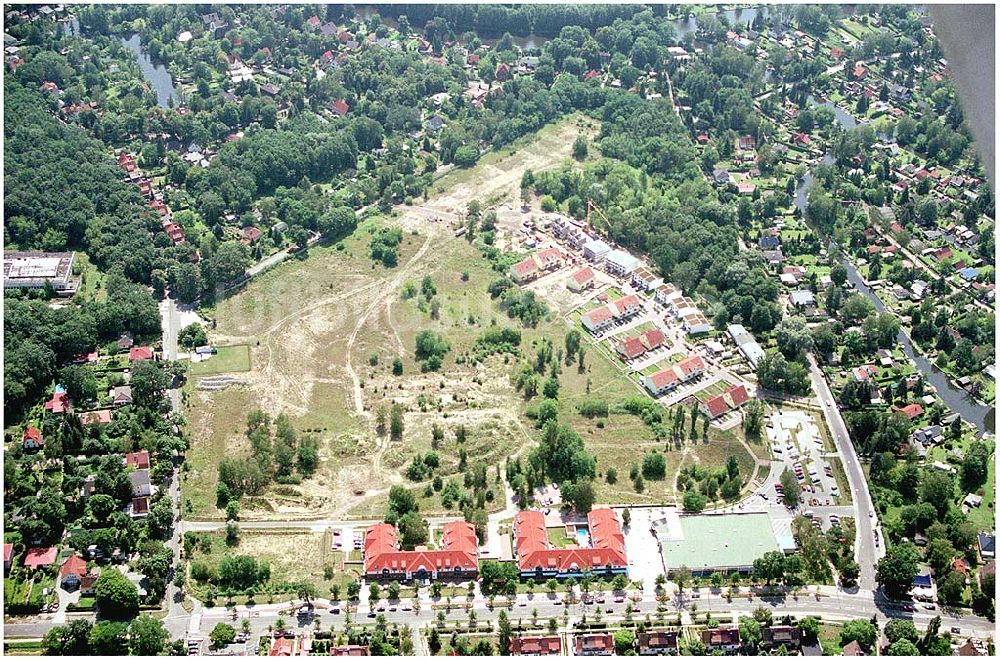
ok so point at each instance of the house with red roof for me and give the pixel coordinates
(598, 319)
(864, 372)
(32, 439)
(340, 107)
(8, 556)
(538, 559)
(594, 644)
(547, 645)
(630, 348)
(282, 647)
(729, 400)
(59, 403)
(472, 59)
(658, 643)
(314, 21)
(71, 572)
(144, 353)
(726, 638)
(912, 411)
(536, 264)
(943, 254)
(590, 75)
(457, 558)
(581, 280)
(40, 557)
(251, 235)
(802, 139)
(665, 380)
(652, 339)
(627, 306)
(349, 650)
(859, 70)
(137, 460)
(502, 72)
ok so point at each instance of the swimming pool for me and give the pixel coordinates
(583, 537)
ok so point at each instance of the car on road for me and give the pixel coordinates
(600, 599)
(619, 599)
(871, 514)
(906, 607)
(930, 607)
(609, 610)
(371, 614)
(334, 610)
(956, 630)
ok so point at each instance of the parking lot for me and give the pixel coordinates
(796, 442)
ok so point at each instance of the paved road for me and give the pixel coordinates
(170, 321)
(832, 604)
(866, 551)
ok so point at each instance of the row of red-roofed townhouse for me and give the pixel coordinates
(133, 174)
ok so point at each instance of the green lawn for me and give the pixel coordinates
(235, 358)
(558, 537)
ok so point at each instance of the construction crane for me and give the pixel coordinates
(593, 205)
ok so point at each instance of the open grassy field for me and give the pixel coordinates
(323, 332)
(293, 557)
(234, 358)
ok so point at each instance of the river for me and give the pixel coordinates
(956, 399)
(156, 74)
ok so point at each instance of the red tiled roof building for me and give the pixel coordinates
(537, 558)
(550, 645)
(457, 558)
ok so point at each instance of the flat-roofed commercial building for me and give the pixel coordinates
(33, 269)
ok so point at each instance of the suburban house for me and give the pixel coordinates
(137, 460)
(121, 395)
(282, 647)
(32, 439)
(620, 263)
(599, 319)
(987, 545)
(746, 344)
(138, 507)
(721, 638)
(538, 559)
(781, 635)
(864, 372)
(141, 487)
(644, 279)
(457, 557)
(59, 402)
(8, 556)
(729, 400)
(802, 298)
(40, 557)
(144, 353)
(536, 264)
(581, 280)
(635, 346)
(666, 293)
(349, 650)
(543, 645)
(594, 644)
(658, 643)
(595, 250)
(669, 378)
(96, 417)
(973, 648)
(853, 649)
(73, 573)
(912, 411)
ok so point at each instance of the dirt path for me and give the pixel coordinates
(388, 291)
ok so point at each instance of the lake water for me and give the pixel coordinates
(844, 118)
(685, 26)
(956, 399)
(156, 74)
